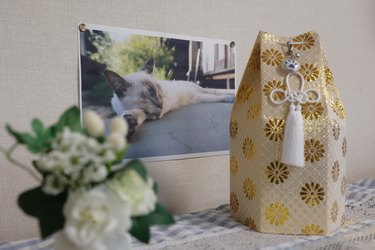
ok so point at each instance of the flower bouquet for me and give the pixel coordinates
(88, 197)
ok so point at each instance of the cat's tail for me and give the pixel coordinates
(219, 91)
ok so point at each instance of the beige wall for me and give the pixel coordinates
(38, 75)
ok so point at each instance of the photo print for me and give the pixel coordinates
(175, 92)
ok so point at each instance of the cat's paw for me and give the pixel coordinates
(229, 98)
(155, 115)
(132, 123)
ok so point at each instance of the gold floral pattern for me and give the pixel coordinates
(343, 185)
(275, 129)
(271, 85)
(234, 203)
(233, 166)
(336, 130)
(338, 108)
(335, 171)
(277, 214)
(244, 93)
(248, 148)
(233, 128)
(272, 57)
(344, 145)
(312, 229)
(307, 39)
(309, 72)
(249, 188)
(328, 76)
(312, 111)
(312, 193)
(254, 63)
(314, 150)
(254, 111)
(277, 172)
(250, 223)
(334, 212)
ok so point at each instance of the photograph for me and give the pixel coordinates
(175, 92)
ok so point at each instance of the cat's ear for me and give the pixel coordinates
(149, 66)
(118, 84)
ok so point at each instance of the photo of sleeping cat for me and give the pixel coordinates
(139, 96)
(175, 92)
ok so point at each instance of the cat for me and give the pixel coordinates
(139, 97)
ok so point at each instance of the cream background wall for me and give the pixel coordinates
(39, 76)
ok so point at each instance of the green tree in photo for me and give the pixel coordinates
(102, 42)
(130, 55)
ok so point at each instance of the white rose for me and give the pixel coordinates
(131, 187)
(119, 125)
(116, 140)
(97, 220)
(93, 123)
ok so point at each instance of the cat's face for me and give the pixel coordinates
(137, 91)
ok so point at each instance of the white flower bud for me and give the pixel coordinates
(93, 123)
(119, 125)
(116, 140)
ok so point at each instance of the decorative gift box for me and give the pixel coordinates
(288, 139)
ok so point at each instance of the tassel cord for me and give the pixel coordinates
(293, 144)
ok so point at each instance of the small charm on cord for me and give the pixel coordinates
(290, 63)
(293, 144)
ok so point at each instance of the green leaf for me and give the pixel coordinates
(52, 131)
(43, 136)
(138, 166)
(141, 224)
(140, 230)
(121, 153)
(155, 188)
(48, 209)
(42, 140)
(37, 127)
(20, 137)
(100, 139)
(32, 143)
(119, 157)
(70, 118)
(160, 216)
(47, 138)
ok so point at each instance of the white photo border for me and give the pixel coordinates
(157, 34)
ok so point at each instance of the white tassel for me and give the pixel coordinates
(294, 142)
(293, 145)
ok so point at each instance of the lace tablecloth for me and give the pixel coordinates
(215, 229)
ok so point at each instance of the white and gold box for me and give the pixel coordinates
(270, 196)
